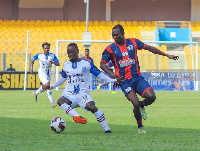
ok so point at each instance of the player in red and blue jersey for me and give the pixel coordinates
(87, 56)
(123, 54)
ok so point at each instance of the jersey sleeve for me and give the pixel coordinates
(140, 44)
(94, 70)
(63, 74)
(55, 59)
(106, 55)
(36, 57)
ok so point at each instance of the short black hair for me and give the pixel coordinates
(46, 43)
(87, 49)
(73, 44)
(120, 28)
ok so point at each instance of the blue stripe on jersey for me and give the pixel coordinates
(36, 56)
(46, 57)
(55, 59)
(63, 74)
(94, 70)
(74, 65)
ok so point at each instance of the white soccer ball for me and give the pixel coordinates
(57, 124)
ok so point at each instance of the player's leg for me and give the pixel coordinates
(49, 95)
(131, 96)
(90, 106)
(149, 96)
(145, 90)
(102, 85)
(65, 104)
(113, 88)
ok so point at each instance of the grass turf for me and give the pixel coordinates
(173, 123)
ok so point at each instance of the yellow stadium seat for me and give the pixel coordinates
(76, 23)
(96, 23)
(102, 23)
(134, 23)
(109, 23)
(115, 22)
(128, 23)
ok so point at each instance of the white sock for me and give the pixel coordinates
(102, 120)
(49, 94)
(38, 91)
(69, 110)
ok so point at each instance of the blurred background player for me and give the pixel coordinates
(87, 56)
(124, 53)
(11, 68)
(111, 67)
(75, 72)
(46, 60)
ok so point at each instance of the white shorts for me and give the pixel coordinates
(78, 100)
(44, 78)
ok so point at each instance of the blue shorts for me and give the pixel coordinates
(137, 84)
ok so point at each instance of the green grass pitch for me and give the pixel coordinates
(173, 123)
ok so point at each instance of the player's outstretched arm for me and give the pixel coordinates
(60, 81)
(157, 51)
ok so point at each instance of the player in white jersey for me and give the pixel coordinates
(46, 60)
(76, 72)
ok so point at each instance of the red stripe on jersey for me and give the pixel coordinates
(127, 68)
(143, 46)
(114, 58)
(136, 59)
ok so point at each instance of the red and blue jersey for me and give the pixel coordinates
(87, 59)
(124, 57)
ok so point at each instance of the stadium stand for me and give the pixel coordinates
(13, 36)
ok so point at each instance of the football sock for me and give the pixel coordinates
(144, 103)
(69, 110)
(114, 87)
(38, 91)
(139, 120)
(49, 94)
(102, 120)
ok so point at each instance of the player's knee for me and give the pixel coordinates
(90, 106)
(63, 100)
(151, 97)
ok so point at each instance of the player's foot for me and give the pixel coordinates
(79, 119)
(108, 132)
(114, 92)
(53, 105)
(35, 96)
(143, 113)
(142, 130)
(98, 88)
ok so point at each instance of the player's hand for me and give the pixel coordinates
(50, 62)
(173, 57)
(119, 79)
(45, 87)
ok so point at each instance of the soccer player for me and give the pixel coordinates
(123, 53)
(87, 56)
(46, 60)
(76, 72)
(111, 67)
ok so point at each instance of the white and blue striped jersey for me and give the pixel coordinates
(77, 75)
(45, 65)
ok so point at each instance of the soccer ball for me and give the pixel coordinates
(57, 124)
